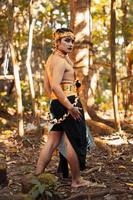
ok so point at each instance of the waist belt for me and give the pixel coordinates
(68, 87)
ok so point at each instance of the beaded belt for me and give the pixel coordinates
(58, 121)
(69, 89)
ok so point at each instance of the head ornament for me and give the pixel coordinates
(58, 35)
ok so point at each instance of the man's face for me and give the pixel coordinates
(65, 44)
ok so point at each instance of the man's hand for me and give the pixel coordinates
(75, 112)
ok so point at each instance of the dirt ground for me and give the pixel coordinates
(109, 168)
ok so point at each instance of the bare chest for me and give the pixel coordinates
(69, 72)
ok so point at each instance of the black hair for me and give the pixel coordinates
(63, 30)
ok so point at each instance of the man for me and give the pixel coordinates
(68, 131)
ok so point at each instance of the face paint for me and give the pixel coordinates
(65, 44)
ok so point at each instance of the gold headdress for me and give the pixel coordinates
(58, 35)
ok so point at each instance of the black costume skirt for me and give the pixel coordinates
(74, 129)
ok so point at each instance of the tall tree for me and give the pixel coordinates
(81, 23)
(113, 65)
(15, 66)
(29, 50)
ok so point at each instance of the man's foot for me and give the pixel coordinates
(38, 172)
(80, 183)
(39, 169)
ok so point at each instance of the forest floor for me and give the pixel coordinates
(109, 168)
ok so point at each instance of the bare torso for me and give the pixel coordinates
(60, 68)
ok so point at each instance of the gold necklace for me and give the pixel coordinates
(66, 57)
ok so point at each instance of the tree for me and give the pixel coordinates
(113, 66)
(29, 49)
(81, 23)
(15, 68)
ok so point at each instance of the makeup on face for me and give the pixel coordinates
(68, 40)
(66, 44)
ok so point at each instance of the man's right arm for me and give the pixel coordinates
(47, 88)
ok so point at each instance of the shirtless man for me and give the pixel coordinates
(68, 111)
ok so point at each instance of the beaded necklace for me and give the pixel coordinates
(66, 57)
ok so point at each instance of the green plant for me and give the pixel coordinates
(43, 186)
(38, 189)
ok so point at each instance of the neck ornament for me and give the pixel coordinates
(65, 56)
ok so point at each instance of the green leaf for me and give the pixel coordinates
(41, 188)
(35, 182)
(35, 194)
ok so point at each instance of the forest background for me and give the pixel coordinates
(103, 58)
(103, 52)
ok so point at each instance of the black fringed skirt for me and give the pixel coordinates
(74, 129)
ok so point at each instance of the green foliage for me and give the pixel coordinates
(50, 15)
(103, 91)
(37, 190)
(100, 11)
(43, 186)
(43, 103)
(99, 100)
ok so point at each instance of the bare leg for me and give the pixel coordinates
(72, 158)
(46, 154)
(47, 151)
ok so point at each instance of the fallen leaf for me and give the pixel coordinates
(2, 155)
(129, 184)
(121, 167)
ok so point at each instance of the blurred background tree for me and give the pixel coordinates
(95, 75)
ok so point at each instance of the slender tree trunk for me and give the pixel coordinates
(124, 34)
(113, 66)
(18, 89)
(28, 61)
(15, 68)
(124, 7)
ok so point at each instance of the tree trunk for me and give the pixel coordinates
(15, 69)
(28, 63)
(18, 89)
(124, 7)
(113, 67)
(81, 23)
(127, 84)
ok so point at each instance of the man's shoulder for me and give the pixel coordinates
(56, 59)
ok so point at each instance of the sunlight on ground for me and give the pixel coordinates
(130, 141)
(117, 139)
(30, 127)
(117, 142)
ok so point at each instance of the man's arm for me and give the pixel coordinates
(47, 88)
